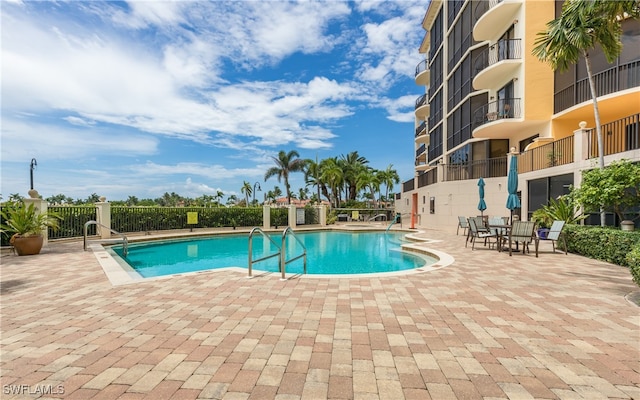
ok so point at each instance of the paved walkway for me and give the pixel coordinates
(489, 326)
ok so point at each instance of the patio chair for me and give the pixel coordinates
(555, 233)
(462, 223)
(523, 232)
(475, 233)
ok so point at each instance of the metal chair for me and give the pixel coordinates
(523, 232)
(462, 223)
(555, 233)
(475, 233)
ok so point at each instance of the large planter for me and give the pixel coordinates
(27, 245)
(543, 233)
(627, 225)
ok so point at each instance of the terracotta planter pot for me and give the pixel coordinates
(27, 245)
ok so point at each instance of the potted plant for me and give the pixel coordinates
(26, 224)
(543, 222)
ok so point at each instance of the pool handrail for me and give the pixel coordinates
(251, 260)
(125, 241)
(283, 261)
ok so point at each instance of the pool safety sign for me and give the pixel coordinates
(192, 218)
(300, 216)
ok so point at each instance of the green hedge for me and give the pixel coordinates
(633, 260)
(606, 244)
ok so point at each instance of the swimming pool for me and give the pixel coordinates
(328, 252)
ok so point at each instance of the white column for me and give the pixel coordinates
(322, 215)
(292, 216)
(103, 214)
(266, 217)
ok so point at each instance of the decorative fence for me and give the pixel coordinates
(73, 220)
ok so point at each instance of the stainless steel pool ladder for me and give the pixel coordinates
(280, 253)
(251, 260)
(283, 261)
(125, 241)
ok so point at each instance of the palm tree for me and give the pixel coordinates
(388, 177)
(582, 25)
(352, 164)
(366, 179)
(246, 189)
(285, 164)
(333, 176)
(232, 200)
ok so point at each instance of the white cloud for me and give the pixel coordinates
(22, 140)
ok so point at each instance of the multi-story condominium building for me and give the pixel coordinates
(487, 98)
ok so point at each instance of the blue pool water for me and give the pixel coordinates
(328, 252)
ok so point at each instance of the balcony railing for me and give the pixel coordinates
(428, 178)
(497, 110)
(421, 128)
(421, 150)
(482, 7)
(408, 185)
(422, 66)
(612, 80)
(506, 49)
(617, 137)
(420, 101)
(552, 154)
(489, 168)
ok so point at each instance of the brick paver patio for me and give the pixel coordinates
(489, 326)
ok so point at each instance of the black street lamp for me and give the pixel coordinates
(254, 190)
(34, 164)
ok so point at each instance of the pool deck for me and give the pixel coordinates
(488, 326)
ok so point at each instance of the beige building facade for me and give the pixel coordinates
(487, 99)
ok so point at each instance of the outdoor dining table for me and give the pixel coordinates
(502, 230)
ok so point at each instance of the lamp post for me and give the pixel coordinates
(254, 190)
(33, 166)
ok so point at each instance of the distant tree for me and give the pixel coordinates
(367, 179)
(132, 201)
(93, 198)
(232, 200)
(247, 190)
(303, 193)
(286, 163)
(388, 177)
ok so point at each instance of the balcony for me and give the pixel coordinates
(423, 73)
(421, 158)
(503, 113)
(490, 168)
(492, 14)
(422, 107)
(498, 63)
(421, 134)
(612, 80)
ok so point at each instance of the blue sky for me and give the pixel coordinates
(146, 97)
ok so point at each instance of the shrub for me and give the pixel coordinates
(606, 244)
(633, 260)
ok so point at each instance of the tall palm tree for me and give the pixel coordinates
(285, 164)
(366, 179)
(352, 164)
(582, 25)
(388, 177)
(312, 174)
(333, 176)
(246, 189)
